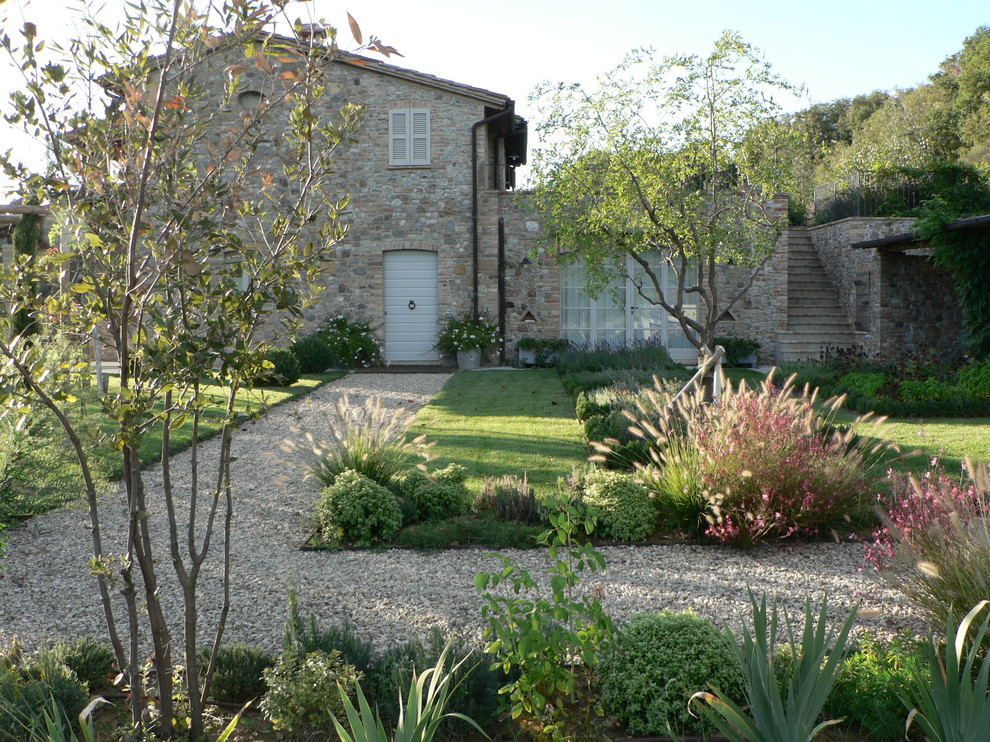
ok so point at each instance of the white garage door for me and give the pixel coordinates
(411, 306)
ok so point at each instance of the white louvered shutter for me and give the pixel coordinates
(420, 137)
(398, 137)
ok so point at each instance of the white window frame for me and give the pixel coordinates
(632, 302)
(409, 137)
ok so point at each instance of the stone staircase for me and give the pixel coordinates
(815, 318)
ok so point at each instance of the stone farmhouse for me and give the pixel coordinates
(437, 230)
(434, 228)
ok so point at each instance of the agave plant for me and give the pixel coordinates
(419, 716)
(780, 712)
(951, 702)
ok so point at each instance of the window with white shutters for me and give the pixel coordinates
(409, 137)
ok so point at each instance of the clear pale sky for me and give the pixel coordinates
(836, 49)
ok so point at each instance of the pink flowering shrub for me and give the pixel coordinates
(934, 545)
(764, 463)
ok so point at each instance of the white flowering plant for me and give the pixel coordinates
(466, 333)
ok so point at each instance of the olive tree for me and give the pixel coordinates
(191, 228)
(656, 159)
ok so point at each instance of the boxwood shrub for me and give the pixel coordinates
(624, 507)
(356, 510)
(658, 661)
(285, 371)
(302, 690)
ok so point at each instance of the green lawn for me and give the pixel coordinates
(951, 439)
(505, 422)
(247, 402)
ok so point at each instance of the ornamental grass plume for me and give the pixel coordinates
(934, 544)
(369, 438)
(768, 463)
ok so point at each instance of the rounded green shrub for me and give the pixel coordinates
(587, 404)
(356, 510)
(934, 389)
(440, 500)
(405, 484)
(91, 660)
(974, 378)
(624, 507)
(302, 690)
(658, 661)
(866, 385)
(240, 672)
(436, 496)
(451, 474)
(612, 424)
(285, 371)
(314, 354)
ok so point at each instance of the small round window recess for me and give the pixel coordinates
(250, 100)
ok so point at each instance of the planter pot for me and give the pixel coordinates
(542, 357)
(469, 359)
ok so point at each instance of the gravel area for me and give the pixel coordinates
(46, 592)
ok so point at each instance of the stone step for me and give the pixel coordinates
(815, 292)
(813, 295)
(796, 285)
(793, 346)
(797, 278)
(806, 314)
(814, 305)
(824, 329)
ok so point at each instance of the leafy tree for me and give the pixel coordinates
(27, 234)
(653, 161)
(176, 241)
(914, 128)
(965, 254)
(966, 75)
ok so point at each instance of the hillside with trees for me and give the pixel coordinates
(940, 126)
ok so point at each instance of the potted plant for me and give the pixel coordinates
(540, 352)
(465, 337)
(739, 351)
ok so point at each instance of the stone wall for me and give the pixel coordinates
(762, 311)
(532, 279)
(912, 306)
(414, 207)
(846, 267)
(921, 314)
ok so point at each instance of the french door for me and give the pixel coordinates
(621, 313)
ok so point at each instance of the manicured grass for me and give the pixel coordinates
(950, 439)
(752, 377)
(247, 403)
(505, 422)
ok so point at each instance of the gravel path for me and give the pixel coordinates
(46, 592)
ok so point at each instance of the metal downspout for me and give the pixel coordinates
(501, 289)
(475, 240)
